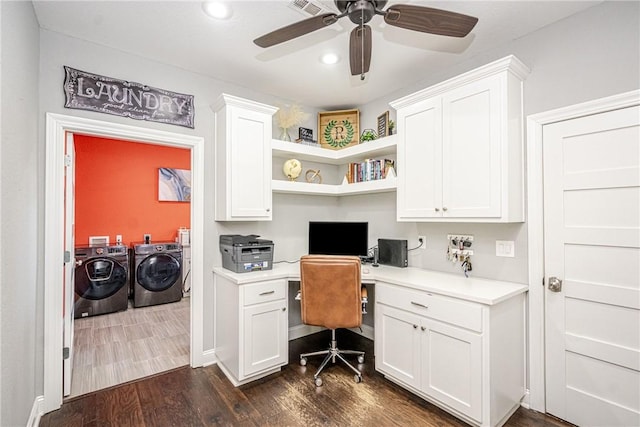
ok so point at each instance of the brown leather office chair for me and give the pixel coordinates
(331, 296)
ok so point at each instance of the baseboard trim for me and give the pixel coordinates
(526, 400)
(300, 331)
(209, 357)
(36, 412)
(367, 331)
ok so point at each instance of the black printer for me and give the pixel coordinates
(242, 254)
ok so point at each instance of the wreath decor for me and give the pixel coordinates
(338, 143)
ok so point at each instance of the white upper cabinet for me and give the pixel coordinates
(460, 148)
(243, 132)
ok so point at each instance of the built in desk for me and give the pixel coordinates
(457, 342)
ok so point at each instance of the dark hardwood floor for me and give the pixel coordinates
(204, 397)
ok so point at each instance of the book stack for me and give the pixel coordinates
(369, 170)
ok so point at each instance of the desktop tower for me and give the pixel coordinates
(393, 252)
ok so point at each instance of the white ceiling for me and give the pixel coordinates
(179, 33)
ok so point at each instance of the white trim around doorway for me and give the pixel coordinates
(57, 126)
(535, 228)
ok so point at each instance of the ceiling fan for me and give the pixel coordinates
(360, 12)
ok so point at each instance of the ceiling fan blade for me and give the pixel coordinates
(429, 20)
(296, 29)
(360, 50)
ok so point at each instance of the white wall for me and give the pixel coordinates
(590, 55)
(19, 225)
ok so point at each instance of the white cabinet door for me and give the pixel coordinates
(471, 141)
(419, 189)
(265, 337)
(242, 159)
(452, 367)
(251, 164)
(397, 344)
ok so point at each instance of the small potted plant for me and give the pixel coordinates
(392, 126)
(368, 135)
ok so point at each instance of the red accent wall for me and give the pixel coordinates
(116, 190)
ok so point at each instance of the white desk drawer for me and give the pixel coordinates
(257, 293)
(445, 309)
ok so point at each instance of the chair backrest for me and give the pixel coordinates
(330, 291)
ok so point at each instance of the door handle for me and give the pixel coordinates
(555, 284)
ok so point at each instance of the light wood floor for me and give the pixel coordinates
(119, 347)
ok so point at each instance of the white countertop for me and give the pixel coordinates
(484, 291)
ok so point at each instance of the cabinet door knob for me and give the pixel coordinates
(268, 209)
(284, 308)
(444, 208)
(423, 328)
(415, 326)
(437, 209)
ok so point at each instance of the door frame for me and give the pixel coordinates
(57, 125)
(535, 228)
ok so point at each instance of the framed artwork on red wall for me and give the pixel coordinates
(174, 185)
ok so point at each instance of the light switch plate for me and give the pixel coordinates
(505, 248)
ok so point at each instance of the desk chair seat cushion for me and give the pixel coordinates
(330, 291)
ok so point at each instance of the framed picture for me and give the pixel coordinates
(383, 125)
(338, 129)
(305, 134)
(174, 185)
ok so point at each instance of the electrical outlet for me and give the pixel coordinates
(422, 242)
(147, 238)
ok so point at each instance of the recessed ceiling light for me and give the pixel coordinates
(216, 9)
(329, 58)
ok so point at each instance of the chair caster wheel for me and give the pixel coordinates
(318, 382)
(303, 361)
(361, 359)
(357, 378)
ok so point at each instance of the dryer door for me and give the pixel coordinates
(158, 272)
(99, 278)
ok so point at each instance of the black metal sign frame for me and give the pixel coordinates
(87, 91)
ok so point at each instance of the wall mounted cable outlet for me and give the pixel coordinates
(422, 242)
(147, 238)
(119, 239)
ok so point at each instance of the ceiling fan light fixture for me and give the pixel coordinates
(216, 9)
(330, 58)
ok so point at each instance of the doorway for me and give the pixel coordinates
(57, 126)
(117, 196)
(583, 321)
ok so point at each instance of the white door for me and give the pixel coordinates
(69, 266)
(265, 336)
(397, 344)
(420, 154)
(452, 366)
(251, 164)
(471, 141)
(592, 241)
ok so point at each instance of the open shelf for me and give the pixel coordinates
(378, 148)
(367, 187)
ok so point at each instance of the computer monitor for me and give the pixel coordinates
(338, 238)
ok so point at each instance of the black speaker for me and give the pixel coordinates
(392, 252)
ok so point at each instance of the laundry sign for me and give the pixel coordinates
(87, 91)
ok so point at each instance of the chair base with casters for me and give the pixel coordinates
(331, 353)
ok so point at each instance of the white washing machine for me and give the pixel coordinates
(157, 273)
(101, 280)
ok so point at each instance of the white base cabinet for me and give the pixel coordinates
(251, 329)
(465, 357)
